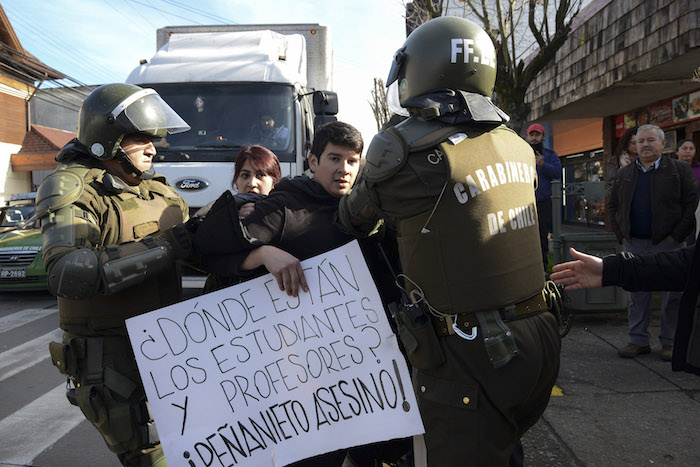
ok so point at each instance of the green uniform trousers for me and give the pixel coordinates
(110, 394)
(474, 414)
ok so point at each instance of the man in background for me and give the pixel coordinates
(548, 168)
(652, 221)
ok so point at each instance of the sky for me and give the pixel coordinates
(101, 41)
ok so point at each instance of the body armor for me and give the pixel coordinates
(473, 251)
(93, 251)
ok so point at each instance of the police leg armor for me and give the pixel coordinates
(110, 395)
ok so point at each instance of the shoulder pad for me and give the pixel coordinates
(58, 190)
(385, 156)
(422, 134)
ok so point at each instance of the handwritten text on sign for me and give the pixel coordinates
(250, 376)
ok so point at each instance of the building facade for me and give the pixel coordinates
(629, 62)
(19, 74)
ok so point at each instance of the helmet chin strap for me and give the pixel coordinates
(129, 167)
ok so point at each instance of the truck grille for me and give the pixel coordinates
(9, 259)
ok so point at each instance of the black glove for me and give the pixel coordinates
(180, 236)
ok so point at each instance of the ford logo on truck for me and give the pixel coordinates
(191, 184)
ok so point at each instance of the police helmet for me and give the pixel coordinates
(444, 53)
(113, 111)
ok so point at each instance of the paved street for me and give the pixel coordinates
(612, 411)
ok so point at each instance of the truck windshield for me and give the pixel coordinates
(226, 116)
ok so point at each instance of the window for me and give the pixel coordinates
(584, 201)
(224, 117)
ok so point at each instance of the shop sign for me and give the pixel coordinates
(664, 113)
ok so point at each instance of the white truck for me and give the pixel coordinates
(238, 85)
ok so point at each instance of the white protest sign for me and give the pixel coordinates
(250, 376)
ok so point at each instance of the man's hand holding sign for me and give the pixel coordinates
(251, 376)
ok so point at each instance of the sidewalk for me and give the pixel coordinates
(615, 411)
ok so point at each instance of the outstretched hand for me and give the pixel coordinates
(585, 272)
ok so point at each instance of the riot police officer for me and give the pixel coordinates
(112, 230)
(460, 185)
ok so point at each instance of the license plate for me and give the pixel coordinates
(13, 273)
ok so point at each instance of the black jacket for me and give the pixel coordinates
(297, 217)
(673, 270)
(674, 197)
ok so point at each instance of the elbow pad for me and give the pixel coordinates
(80, 274)
(358, 213)
(75, 276)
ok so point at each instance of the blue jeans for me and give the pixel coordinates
(638, 310)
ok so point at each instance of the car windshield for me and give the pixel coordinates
(29, 224)
(12, 216)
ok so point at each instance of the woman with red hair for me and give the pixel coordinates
(256, 172)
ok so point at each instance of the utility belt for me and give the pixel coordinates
(444, 325)
(420, 330)
(111, 401)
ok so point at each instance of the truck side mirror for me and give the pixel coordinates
(321, 119)
(325, 103)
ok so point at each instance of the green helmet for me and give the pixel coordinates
(444, 53)
(113, 111)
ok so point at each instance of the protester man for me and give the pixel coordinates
(666, 270)
(548, 169)
(112, 231)
(295, 222)
(460, 186)
(647, 220)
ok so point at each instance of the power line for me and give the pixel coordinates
(160, 12)
(129, 18)
(68, 105)
(199, 12)
(167, 12)
(27, 59)
(46, 42)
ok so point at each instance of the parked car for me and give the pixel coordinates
(21, 265)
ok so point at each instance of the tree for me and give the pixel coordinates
(380, 109)
(526, 34)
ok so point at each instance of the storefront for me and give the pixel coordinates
(679, 117)
(623, 65)
(579, 144)
(584, 150)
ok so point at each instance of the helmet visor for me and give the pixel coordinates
(148, 113)
(392, 100)
(399, 58)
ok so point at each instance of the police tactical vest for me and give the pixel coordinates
(130, 218)
(479, 248)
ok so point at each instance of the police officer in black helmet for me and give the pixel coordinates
(112, 231)
(460, 185)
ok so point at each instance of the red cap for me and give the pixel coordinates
(535, 127)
